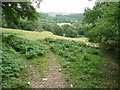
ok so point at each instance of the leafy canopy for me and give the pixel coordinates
(102, 26)
(12, 12)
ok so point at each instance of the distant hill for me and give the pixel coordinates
(61, 17)
(73, 16)
(77, 16)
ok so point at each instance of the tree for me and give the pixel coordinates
(25, 25)
(79, 27)
(90, 16)
(58, 30)
(47, 26)
(105, 30)
(14, 11)
(69, 31)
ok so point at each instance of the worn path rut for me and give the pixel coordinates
(53, 77)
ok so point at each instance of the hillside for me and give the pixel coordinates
(32, 35)
(29, 61)
(72, 16)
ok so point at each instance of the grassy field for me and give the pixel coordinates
(32, 35)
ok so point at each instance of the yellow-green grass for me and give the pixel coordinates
(32, 35)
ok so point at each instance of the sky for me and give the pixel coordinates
(65, 6)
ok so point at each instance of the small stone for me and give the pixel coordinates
(44, 79)
(28, 83)
(30, 66)
(59, 70)
(71, 85)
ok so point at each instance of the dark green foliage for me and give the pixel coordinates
(13, 11)
(47, 26)
(92, 15)
(79, 27)
(29, 48)
(85, 57)
(12, 63)
(69, 31)
(102, 26)
(60, 19)
(57, 30)
(26, 25)
(70, 18)
(10, 59)
(11, 67)
(30, 25)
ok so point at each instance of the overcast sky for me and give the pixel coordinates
(65, 6)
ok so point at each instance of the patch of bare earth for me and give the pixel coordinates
(53, 77)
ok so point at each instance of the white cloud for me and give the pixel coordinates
(65, 6)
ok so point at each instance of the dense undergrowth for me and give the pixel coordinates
(12, 64)
(83, 66)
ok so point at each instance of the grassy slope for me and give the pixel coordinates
(31, 35)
